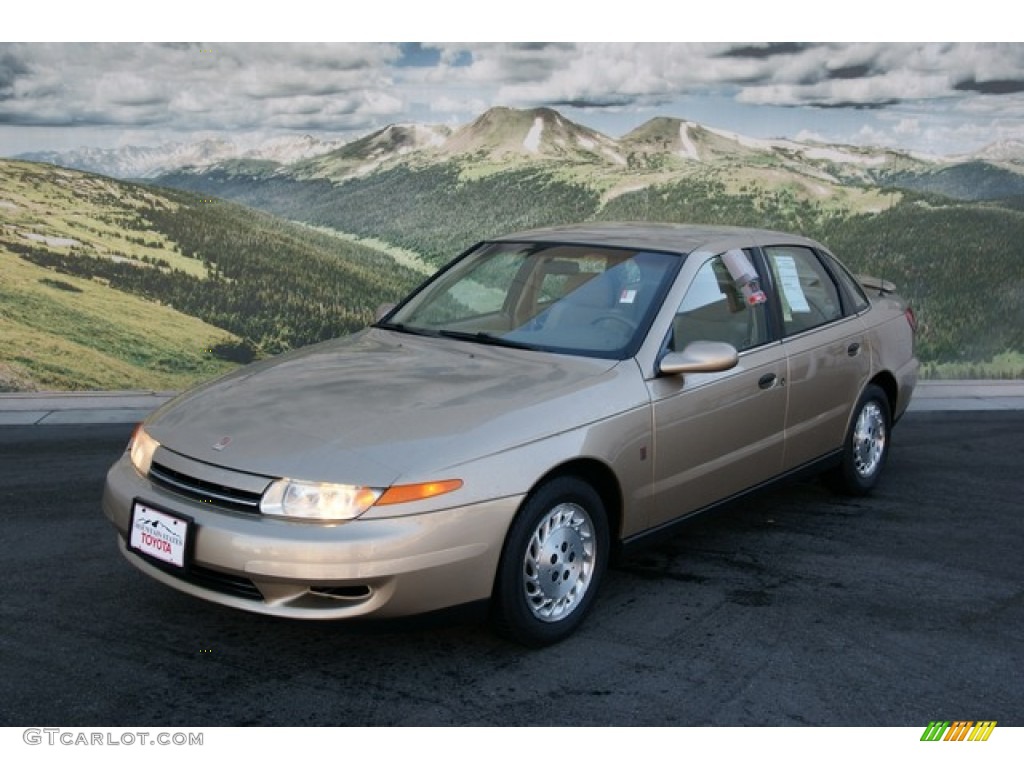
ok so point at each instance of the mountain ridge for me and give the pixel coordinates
(503, 137)
(142, 162)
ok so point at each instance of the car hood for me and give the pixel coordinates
(380, 405)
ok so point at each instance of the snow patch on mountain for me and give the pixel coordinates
(53, 242)
(744, 141)
(835, 155)
(614, 156)
(688, 149)
(291, 149)
(532, 141)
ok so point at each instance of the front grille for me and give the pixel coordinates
(207, 578)
(204, 491)
(226, 584)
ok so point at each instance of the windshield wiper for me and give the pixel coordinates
(479, 337)
(482, 337)
(403, 328)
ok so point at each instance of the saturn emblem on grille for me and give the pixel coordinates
(223, 443)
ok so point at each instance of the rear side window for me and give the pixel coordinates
(808, 295)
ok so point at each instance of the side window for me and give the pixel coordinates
(715, 309)
(807, 294)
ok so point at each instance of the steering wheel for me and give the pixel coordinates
(629, 324)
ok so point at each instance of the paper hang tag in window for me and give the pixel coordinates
(744, 276)
(628, 296)
(789, 280)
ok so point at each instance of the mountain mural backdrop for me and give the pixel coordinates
(400, 202)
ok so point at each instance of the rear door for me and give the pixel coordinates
(825, 343)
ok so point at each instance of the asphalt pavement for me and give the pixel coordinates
(25, 408)
(797, 607)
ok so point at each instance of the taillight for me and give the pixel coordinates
(911, 318)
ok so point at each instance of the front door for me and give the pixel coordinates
(718, 434)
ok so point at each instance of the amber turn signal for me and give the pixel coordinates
(399, 494)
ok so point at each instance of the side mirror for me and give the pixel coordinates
(382, 310)
(700, 357)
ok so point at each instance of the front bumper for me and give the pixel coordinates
(387, 567)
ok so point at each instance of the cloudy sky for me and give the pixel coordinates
(937, 98)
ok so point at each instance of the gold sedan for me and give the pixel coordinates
(545, 400)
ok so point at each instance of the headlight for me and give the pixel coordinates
(317, 501)
(141, 448)
(332, 501)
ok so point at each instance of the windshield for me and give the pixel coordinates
(562, 298)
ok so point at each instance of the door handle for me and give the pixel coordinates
(853, 349)
(767, 381)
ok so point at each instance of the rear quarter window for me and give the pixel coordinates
(854, 295)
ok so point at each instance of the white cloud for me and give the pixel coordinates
(899, 92)
(908, 127)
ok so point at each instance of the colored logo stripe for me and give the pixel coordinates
(982, 730)
(960, 730)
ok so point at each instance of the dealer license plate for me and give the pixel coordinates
(158, 534)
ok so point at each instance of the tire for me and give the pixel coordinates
(866, 446)
(552, 563)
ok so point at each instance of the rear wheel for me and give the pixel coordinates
(554, 557)
(866, 446)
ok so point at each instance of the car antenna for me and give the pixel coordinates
(880, 284)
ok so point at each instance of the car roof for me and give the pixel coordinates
(678, 238)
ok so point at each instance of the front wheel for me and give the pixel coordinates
(866, 446)
(552, 563)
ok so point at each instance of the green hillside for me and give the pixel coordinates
(69, 333)
(105, 284)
